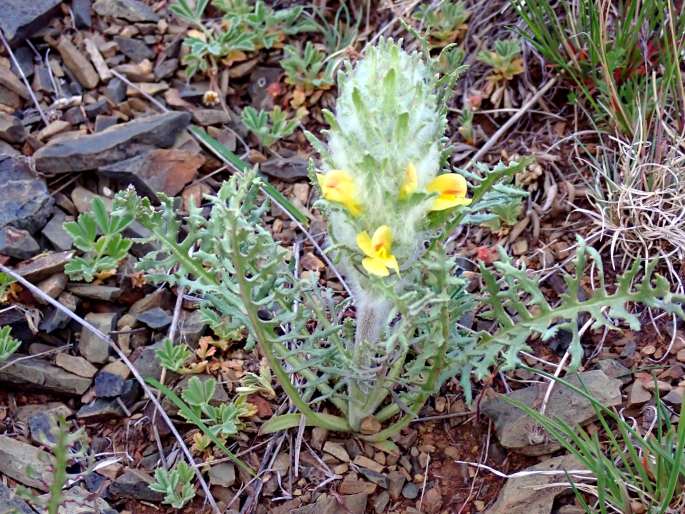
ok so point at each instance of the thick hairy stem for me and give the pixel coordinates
(372, 315)
(426, 391)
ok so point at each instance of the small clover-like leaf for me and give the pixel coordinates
(173, 356)
(8, 344)
(199, 392)
(175, 484)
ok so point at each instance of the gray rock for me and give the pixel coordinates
(82, 15)
(637, 394)
(210, 117)
(56, 409)
(78, 64)
(24, 56)
(55, 233)
(130, 392)
(78, 500)
(159, 170)
(96, 292)
(116, 90)
(192, 327)
(25, 202)
(614, 369)
(410, 491)
(290, 169)
(146, 361)
(328, 504)
(56, 319)
(133, 484)
(222, 474)
(76, 365)
(12, 129)
(155, 318)
(108, 385)
(513, 426)
(11, 504)
(21, 19)
(165, 69)
(100, 409)
(11, 82)
(43, 375)
(5, 148)
(158, 298)
(25, 463)
(80, 153)
(53, 286)
(380, 502)
(17, 243)
(134, 49)
(103, 122)
(533, 494)
(43, 428)
(99, 107)
(91, 346)
(74, 115)
(43, 265)
(396, 482)
(131, 10)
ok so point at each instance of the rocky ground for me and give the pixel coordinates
(93, 98)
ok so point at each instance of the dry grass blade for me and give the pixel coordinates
(638, 199)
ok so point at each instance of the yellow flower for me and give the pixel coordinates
(378, 251)
(338, 186)
(410, 181)
(451, 189)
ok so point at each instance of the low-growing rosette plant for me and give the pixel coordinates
(367, 363)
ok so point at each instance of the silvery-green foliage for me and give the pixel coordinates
(173, 356)
(268, 126)
(99, 235)
(8, 344)
(519, 309)
(176, 484)
(405, 339)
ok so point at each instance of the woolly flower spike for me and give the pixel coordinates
(451, 189)
(411, 181)
(378, 251)
(338, 186)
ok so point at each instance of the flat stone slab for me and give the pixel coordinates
(517, 431)
(89, 152)
(21, 19)
(25, 463)
(533, 494)
(42, 374)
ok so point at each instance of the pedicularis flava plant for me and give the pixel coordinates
(391, 202)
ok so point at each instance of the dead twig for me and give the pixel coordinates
(510, 122)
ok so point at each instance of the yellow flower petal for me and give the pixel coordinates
(448, 183)
(451, 189)
(375, 266)
(382, 241)
(378, 252)
(364, 242)
(391, 262)
(410, 181)
(338, 186)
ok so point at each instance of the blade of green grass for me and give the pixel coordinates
(232, 159)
